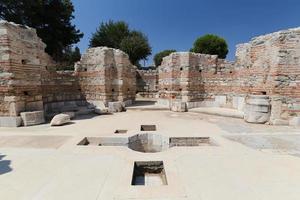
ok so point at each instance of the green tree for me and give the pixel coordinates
(110, 34)
(136, 45)
(118, 35)
(51, 19)
(159, 56)
(211, 44)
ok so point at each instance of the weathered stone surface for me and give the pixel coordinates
(116, 107)
(279, 122)
(71, 114)
(28, 80)
(60, 119)
(106, 74)
(238, 103)
(100, 108)
(101, 111)
(148, 142)
(147, 83)
(268, 64)
(32, 118)
(257, 109)
(178, 106)
(10, 121)
(22, 59)
(220, 100)
(295, 121)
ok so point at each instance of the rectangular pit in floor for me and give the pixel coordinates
(148, 127)
(103, 141)
(189, 141)
(120, 131)
(149, 173)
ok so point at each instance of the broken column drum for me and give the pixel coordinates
(258, 109)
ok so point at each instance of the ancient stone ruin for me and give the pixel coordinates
(268, 65)
(22, 61)
(263, 82)
(30, 85)
(106, 75)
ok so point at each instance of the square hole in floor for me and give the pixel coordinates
(120, 131)
(149, 173)
(148, 127)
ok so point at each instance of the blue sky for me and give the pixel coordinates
(175, 24)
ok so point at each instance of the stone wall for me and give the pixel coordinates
(22, 58)
(267, 65)
(270, 64)
(60, 91)
(147, 83)
(106, 75)
(191, 77)
(29, 82)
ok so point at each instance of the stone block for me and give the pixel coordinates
(179, 106)
(101, 111)
(220, 101)
(148, 142)
(32, 118)
(238, 103)
(116, 106)
(60, 119)
(10, 121)
(71, 114)
(295, 121)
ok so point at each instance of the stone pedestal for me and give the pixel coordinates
(257, 109)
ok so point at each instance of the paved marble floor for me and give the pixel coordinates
(247, 162)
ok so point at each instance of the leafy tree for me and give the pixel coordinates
(110, 34)
(211, 44)
(118, 35)
(51, 18)
(136, 46)
(159, 56)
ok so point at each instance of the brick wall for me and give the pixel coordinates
(29, 82)
(22, 59)
(268, 64)
(147, 82)
(106, 74)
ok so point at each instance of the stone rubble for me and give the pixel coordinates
(60, 119)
